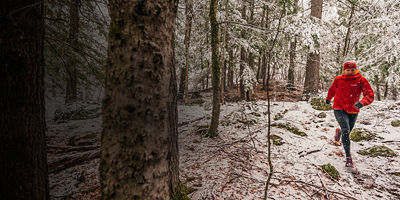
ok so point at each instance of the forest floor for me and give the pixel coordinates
(234, 165)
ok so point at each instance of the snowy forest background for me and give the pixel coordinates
(364, 31)
(274, 60)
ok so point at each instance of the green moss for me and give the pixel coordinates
(290, 128)
(276, 140)
(378, 151)
(331, 171)
(322, 115)
(360, 134)
(247, 121)
(181, 192)
(395, 173)
(396, 123)
(319, 104)
(280, 115)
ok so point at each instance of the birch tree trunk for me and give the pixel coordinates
(23, 165)
(139, 149)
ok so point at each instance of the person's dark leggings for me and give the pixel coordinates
(346, 122)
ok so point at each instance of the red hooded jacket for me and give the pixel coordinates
(347, 90)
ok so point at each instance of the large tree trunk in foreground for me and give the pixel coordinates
(311, 82)
(23, 164)
(139, 150)
(71, 68)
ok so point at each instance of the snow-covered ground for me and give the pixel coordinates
(234, 165)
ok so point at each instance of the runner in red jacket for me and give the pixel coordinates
(346, 90)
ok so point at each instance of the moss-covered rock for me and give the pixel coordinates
(396, 123)
(322, 115)
(378, 151)
(280, 115)
(290, 128)
(395, 173)
(181, 192)
(276, 140)
(361, 134)
(331, 171)
(77, 111)
(319, 104)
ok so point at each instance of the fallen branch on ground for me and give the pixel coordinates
(189, 122)
(71, 161)
(66, 149)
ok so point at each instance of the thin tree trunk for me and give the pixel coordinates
(139, 149)
(251, 66)
(264, 67)
(347, 39)
(230, 71)
(71, 68)
(223, 59)
(242, 57)
(23, 165)
(338, 59)
(259, 66)
(378, 91)
(183, 86)
(212, 131)
(394, 92)
(292, 61)
(311, 82)
(264, 70)
(385, 93)
(271, 171)
(292, 55)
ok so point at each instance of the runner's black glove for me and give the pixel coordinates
(358, 105)
(327, 101)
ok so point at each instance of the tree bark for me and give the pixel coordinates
(347, 39)
(311, 82)
(184, 84)
(394, 92)
(242, 57)
(212, 131)
(292, 55)
(292, 62)
(378, 91)
(385, 93)
(23, 166)
(139, 149)
(230, 71)
(71, 67)
(223, 59)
